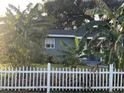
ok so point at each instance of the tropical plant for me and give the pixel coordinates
(27, 30)
(70, 54)
(111, 26)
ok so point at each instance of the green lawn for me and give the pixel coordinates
(2, 66)
(60, 66)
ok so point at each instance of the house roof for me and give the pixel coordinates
(71, 33)
(64, 33)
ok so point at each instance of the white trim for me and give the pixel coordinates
(92, 38)
(79, 37)
(102, 38)
(89, 37)
(54, 35)
(98, 38)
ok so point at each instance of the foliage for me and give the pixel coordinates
(70, 54)
(26, 32)
(68, 13)
(3, 57)
(112, 28)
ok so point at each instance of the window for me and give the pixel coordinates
(49, 43)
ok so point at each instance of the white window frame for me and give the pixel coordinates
(50, 41)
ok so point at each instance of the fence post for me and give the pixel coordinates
(48, 78)
(110, 77)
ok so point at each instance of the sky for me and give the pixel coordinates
(21, 3)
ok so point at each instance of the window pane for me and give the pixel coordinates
(52, 45)
(47, 45)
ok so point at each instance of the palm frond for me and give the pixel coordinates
(14, 9)
(66, 46)
(120, 10)
(104, 7)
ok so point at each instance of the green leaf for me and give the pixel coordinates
(76, 42)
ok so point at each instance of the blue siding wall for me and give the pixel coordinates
(59, 46)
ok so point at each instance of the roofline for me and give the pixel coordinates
(101, 38)
(71, 36)
(54, 35)
(98, 38)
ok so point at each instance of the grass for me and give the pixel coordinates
(2, 66)
(62, 66)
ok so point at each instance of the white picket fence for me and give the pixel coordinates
(46, 79)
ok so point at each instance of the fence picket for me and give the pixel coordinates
(118, 79)
(56, 78)
(66, 79)
(96, 79)
(86, 78)
(40, 79)
(80, 79)
(5, 77)
(73, 82)
(76, 78)
(33, 78)
(63, 79)
(111, 78)
(52, 78)
(44, 79)
(121, 81)
(26, 78)
(59, 78)
(23, 69)
(0, 79)
(90, 81)
(100, 77)
(43, 76)
(48, 77)
(15, 79)
(37, 79)
(19, 79)
(106, 79)
(69, 80)
(93, 76)
(8, 82)
(114, 79)
(83, 79)
(30, 77)
(103, 79)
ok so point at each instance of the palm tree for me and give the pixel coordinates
(110, 26)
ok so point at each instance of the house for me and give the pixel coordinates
(53, 44)
(55, 36)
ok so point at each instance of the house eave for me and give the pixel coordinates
(53, 35)
(72, 36)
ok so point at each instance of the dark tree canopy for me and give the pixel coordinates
(68, 13)
(71, 13)
(113, 4)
